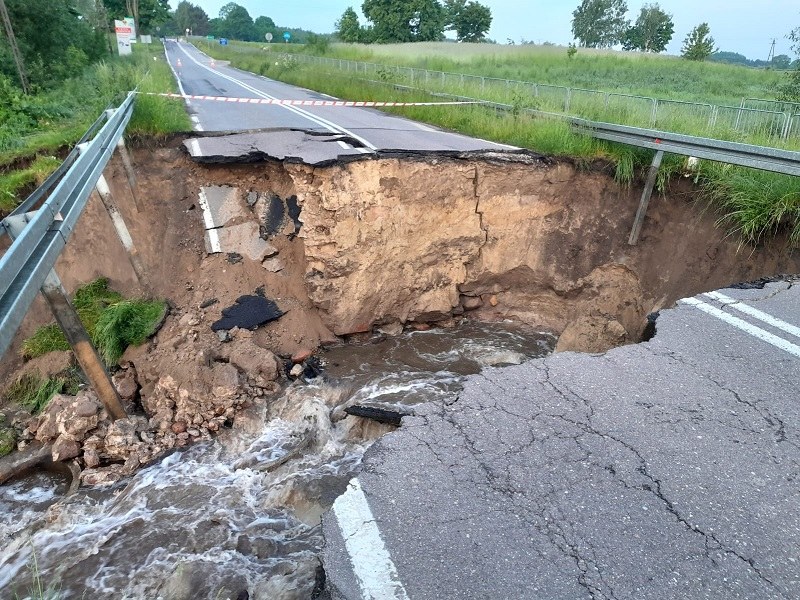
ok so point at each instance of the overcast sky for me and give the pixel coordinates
(743, 26)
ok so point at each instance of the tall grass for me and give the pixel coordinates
(60, 116)
(113, 322)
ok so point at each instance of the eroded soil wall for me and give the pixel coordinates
(416, 240)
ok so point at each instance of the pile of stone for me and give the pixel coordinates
(170, 414)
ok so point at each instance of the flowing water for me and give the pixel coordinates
(242, 512)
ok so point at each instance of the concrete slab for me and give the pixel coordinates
(224, 204)
(245, 239)
(308, 147)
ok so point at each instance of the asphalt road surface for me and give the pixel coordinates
(669, 469)
(363, 130)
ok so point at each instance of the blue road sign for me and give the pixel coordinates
(223, 41)
(287, 36)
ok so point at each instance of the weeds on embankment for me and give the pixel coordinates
(38, 126)
(113, 321)
(755, 204)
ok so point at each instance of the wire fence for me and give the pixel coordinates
(765, 122)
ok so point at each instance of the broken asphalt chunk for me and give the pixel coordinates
(249, 312)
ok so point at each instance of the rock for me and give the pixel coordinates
(193, 432)
(91, 458)
(252, 359)
(208, 303)
(592, 334)
(252, 198)
(64, 449)
(178, 427)
(391, 329)
(121, 439)
(224, 336)
(126, 384)
(471, 302)
(301, 356)
(493, 300)
(102, 475)
(273, 265)
(72, 417)
(225, 381)
(296, 371)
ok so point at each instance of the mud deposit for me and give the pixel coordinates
(431, 254)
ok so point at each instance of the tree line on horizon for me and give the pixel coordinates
(391, 22)
(75, 32)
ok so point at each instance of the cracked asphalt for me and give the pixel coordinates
(667, 469)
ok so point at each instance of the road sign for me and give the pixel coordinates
(287, 36)
(268, 37)
(132, 24)
(223, 41)
(209, 37)
(123, 32)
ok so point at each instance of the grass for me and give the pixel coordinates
(33, 392)
(755, 204)
(43, 125)
(657, 76)
(113, 322)
(8, 437)
(15, 182)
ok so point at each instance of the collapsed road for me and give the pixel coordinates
(665, 469)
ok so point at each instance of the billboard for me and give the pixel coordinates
(123, 37)
(132, 24)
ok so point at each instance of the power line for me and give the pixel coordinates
(12, 42)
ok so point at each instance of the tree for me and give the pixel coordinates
(348, 29)
(471, 21)
(652, 31)
(236, 22)
(781, 61)
(600, 23)
(49, 54)
(264, 25)
(147, 14)
(790, 89)
(189, 16)
(407, 21)
(699, 44)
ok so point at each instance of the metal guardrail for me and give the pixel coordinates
(744, 155)
(39, 237)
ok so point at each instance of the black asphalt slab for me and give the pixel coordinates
(368, 130)
(669, 469)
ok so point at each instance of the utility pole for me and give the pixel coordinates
(12, 42)
(771, 51)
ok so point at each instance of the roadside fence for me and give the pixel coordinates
(754, 120)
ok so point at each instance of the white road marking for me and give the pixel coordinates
(344, 145)
(194, 148)
(208, 219)
(756, 332)
(372, 565)
(755, 313)
(330, 126)
(196, 121)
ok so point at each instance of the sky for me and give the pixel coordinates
(742, 26)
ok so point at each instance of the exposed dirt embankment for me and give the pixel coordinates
(418, 240)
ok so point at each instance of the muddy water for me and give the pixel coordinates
(243, 512)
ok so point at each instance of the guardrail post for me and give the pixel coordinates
(128, 165)
(85, 352)
(648, 191)
(123, 233)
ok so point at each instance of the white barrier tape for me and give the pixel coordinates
(338, 103)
